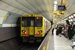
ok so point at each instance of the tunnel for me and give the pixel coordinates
(37, 20)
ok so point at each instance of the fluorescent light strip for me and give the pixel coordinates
(55, 6)
(55, 2)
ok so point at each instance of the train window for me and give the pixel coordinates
(32, 23)
(28, 21)
(24, 23)
(39, 22)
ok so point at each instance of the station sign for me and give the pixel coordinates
(58, 12)
(60, 7)
(55, 19)
(0, 25)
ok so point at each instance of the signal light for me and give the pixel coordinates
(37, 17)
(25, 32)
(38, 33)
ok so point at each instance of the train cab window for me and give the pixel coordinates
(39, 22)
(32, 23)
(24, 23)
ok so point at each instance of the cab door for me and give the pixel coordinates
(31, 25)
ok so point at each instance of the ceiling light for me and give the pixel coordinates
(69, 20)
(70, 17)
(55, 2)
(54, 9)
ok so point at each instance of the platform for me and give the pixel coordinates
(61, 43)
(55, 42)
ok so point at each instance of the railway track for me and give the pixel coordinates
(28, 46)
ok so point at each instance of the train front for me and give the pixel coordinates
(32, 28)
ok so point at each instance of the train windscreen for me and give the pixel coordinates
(28, 21)
(24, 22)
(38, 22)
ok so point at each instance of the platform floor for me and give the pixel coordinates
(60, 43)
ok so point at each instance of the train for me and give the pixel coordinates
(33, 27)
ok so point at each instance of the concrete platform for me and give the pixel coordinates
(54, 42)
(61, 43)
(48, 41)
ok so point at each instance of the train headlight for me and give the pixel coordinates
(23, 31)
(40, 31)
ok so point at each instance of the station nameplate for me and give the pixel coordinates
(58, 12)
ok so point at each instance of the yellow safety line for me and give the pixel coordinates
(48, 42)
(43, 48)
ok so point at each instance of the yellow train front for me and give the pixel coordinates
(34, 27)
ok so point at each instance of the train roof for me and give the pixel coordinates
(33, 15)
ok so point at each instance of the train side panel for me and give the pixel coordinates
(47, 26)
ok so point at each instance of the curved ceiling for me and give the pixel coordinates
(41, 7)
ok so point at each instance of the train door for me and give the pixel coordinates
(31, 25)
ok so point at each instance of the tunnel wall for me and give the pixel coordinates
(9, 25)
